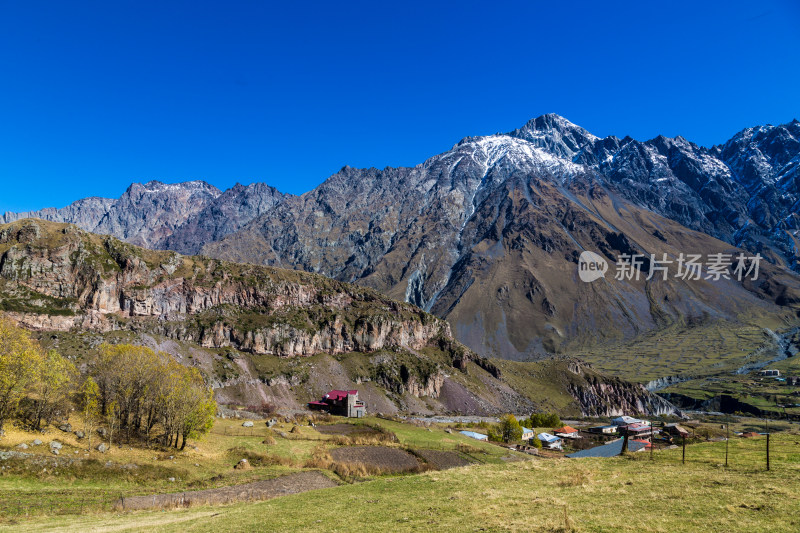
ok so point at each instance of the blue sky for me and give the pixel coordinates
(95, 95)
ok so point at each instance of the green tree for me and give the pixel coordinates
(510, 429)
(536, 443)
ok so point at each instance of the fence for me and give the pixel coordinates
(748, 454)
(54, 503)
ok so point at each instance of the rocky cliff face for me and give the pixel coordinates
(58, 277)
(222, 216)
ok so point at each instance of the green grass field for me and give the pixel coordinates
(40, 486)
(631, 494)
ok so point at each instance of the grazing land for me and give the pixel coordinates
(539, 494)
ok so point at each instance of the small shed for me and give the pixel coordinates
(474, 435)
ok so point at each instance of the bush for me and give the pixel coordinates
(544, 420)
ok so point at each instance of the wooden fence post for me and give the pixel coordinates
(767, 451)
(683, 456)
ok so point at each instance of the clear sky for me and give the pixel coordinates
(97, 94)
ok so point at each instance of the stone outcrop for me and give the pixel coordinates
(62, 278)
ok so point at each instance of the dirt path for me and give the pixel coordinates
(259, 490)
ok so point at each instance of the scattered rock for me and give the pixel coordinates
(103, 432)
(171, 479)
(247, 424)
(80, 434)
(55, 445)
(66, 428)
(54, 451)
(102, 447)
(22, 446)
(37, 442)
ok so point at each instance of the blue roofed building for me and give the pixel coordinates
(612, 449)
(474, 435)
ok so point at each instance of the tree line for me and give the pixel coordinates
(130, 391)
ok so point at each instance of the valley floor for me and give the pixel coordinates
(631, 494)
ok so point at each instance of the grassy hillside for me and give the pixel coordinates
(622, 494)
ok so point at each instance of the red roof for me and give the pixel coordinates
(565, 429)
(643, 442)
(340, 394)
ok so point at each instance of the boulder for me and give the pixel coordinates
(55, 445)
(102, 447)
(103, 432)
(80, 434)
(66, 428)
(247, 424)
(22, 446)
(37, 442)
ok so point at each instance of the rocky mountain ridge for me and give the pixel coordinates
(487, 234)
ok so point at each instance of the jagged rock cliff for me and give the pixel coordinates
(57, 276)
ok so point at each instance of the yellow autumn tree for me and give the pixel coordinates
(20, 363)
(49, 392)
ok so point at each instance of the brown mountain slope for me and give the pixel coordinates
(247, 327)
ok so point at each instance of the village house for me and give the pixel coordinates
(603, 430)
(567, 432)
(342, 403)
(527, 433)
(769, 373)
(550, 441)
(621, 421)
(637, 431)
(675, 430)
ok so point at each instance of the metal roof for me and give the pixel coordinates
(612, 449)
(474, 435)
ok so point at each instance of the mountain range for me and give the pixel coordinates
(487, 234)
